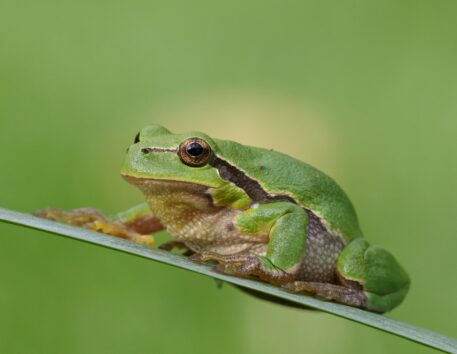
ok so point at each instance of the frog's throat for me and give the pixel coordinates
(138, 181)
(172, 193)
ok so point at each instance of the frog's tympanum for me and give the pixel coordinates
(256, 213)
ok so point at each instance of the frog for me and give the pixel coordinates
(253, 213)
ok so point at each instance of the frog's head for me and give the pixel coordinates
(159, 155)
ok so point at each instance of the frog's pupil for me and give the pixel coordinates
(195, 149)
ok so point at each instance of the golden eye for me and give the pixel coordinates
(194, 152)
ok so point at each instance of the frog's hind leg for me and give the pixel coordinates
(369, 277)
(246, 265)
(385, 283)
(135, 224)
(330, 292)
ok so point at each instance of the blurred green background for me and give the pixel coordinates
(364, 90)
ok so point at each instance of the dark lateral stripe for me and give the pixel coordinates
(147, 150)
(252, 188)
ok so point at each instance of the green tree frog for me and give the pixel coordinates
(254, 212)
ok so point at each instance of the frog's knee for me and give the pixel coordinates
(381, 277)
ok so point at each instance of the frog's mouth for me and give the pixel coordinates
(142, 181)
(136, 180)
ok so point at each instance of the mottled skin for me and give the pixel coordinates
(256, 213)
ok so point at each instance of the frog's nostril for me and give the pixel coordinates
(137, 138)
(146, 150)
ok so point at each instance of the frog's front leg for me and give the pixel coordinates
(286, 226)
(135, 224)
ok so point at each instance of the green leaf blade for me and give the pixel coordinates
(402, 329)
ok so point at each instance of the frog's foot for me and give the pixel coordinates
(247, 266)
(219, 258)
(94, 220)
(170, 245)
(330, 292)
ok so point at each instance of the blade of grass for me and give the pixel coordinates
(402, 329)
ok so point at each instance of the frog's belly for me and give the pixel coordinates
(190, 216)
(215, 232)
(319, 259)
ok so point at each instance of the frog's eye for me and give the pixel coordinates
(194, 152)
(137, 138)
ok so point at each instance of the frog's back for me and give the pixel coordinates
(282, 175)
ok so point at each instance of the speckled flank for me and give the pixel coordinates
(322, 251)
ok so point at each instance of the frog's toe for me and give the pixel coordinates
(93, 219)
(75, 217)
(220, 258)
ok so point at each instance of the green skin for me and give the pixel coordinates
(257, 213)
(268, 197)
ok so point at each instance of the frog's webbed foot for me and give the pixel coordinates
(330, 292)
(94, 220)
(247, 266)
(219, 258)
